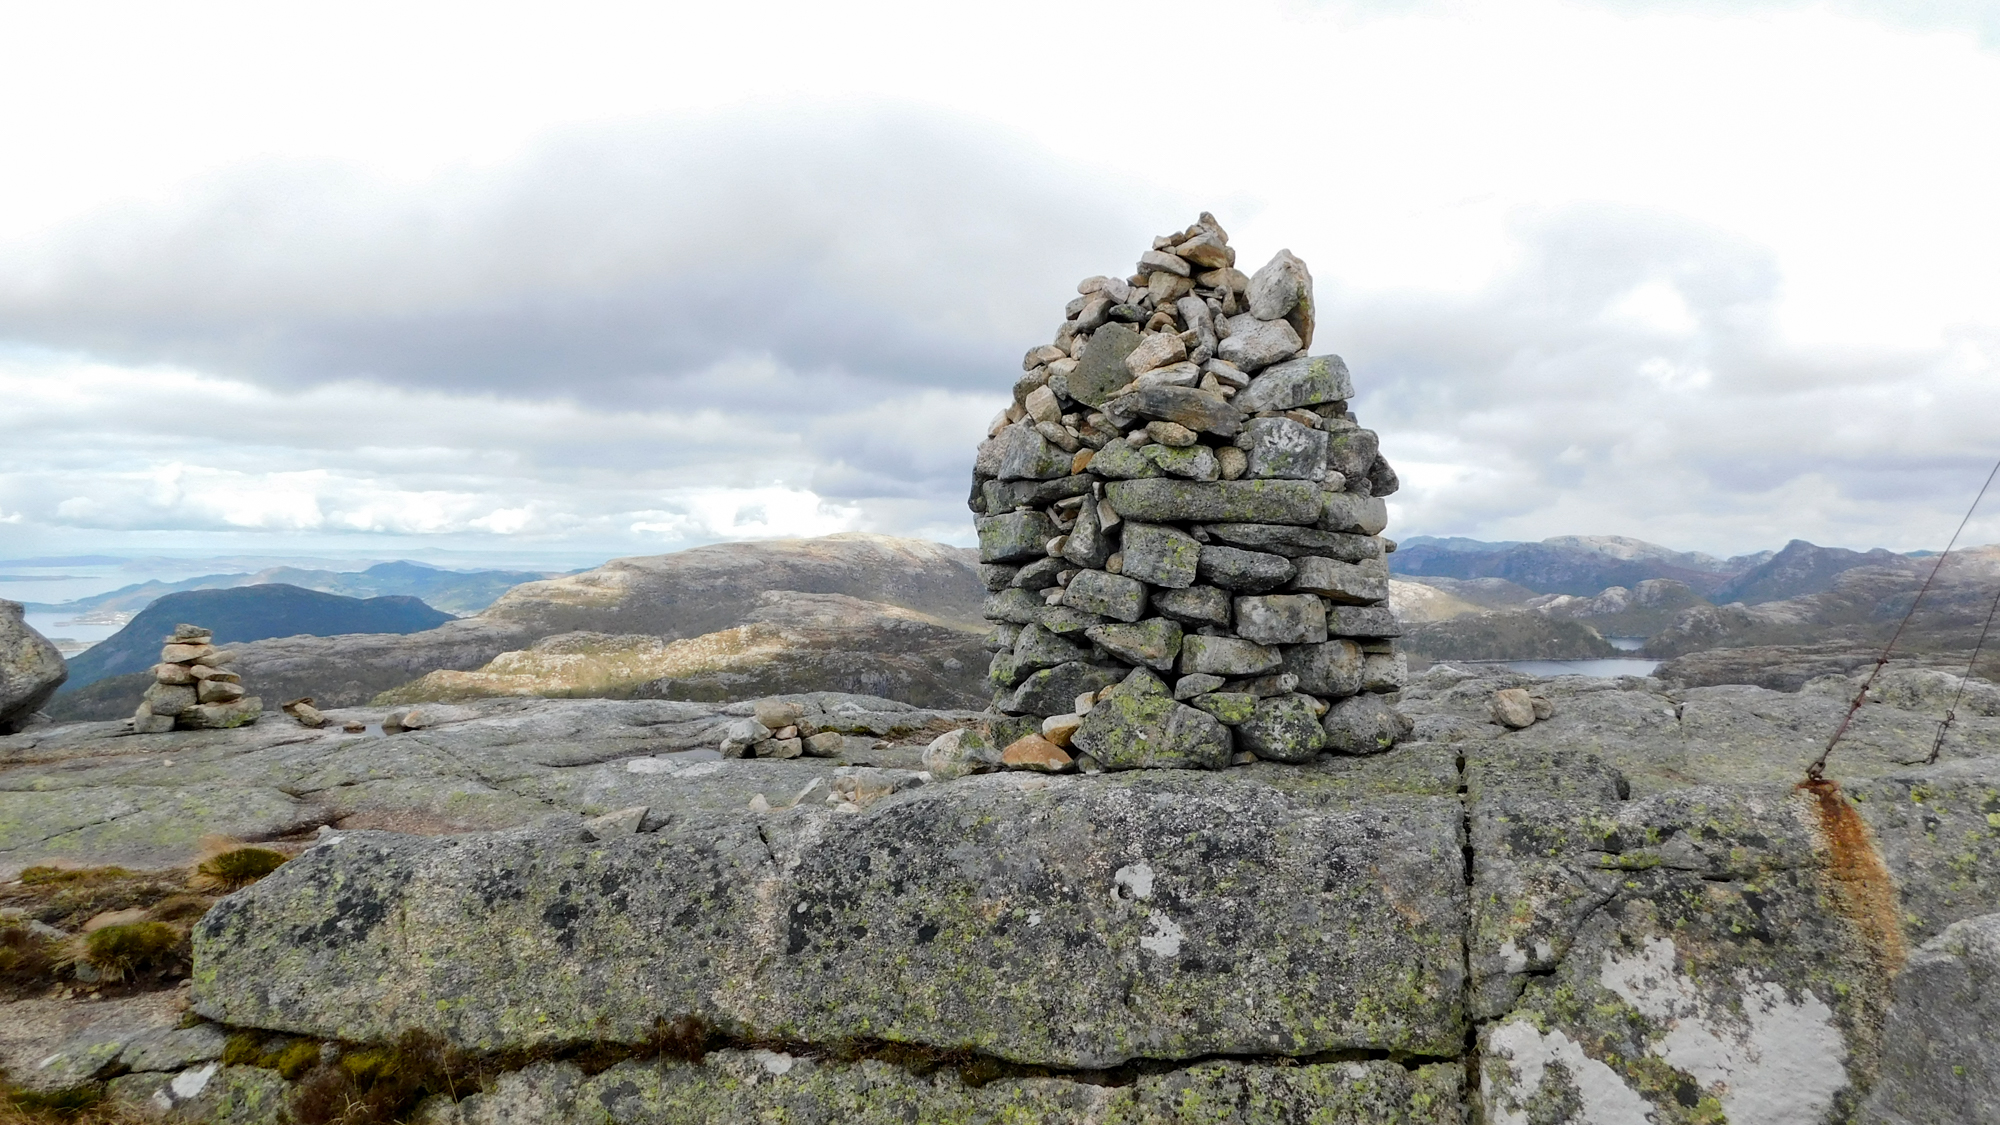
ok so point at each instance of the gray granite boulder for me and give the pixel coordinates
(1938, 1046)
(1057, 921)
(31, 669)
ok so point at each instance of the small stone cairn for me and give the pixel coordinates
(1180, 524)
(191, 691)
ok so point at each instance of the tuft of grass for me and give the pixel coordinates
(28, 961)
(118, 952)
(380, 1085)
(236, 868)
(66, 898)
(85, 1106)
(45, 876)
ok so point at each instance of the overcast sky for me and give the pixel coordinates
(625, 279)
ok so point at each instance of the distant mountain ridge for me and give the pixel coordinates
(454, 591)
(246, 613)
(1800, 569)
(1581, 565)
(838, 617)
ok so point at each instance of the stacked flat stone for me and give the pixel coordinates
(191, 690)
(1180, 525)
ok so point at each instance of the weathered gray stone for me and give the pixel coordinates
(1159, 261)
(1938, 1064)
(1198, 410)
(31, 668)
(1230, 708)
(1087, 546)
(1351, 450)
(1014, 537)
(1159, 555)
(1040, 574)
(1264, 687)
(173, 1048)
(1206, 250)
(1227, 656)
(1281, 447)
(1195, 606)
(1194, 462)
(1231, 501)
(1281, 619)
(1052, 691)
(1107, 595)
(1233, 568)
(773, 926)
(1026, 455)
(960, 753)
(1197, 683)
(1306, 381)
(1130, 729)
(1283, 728)
(1352, 512)
(1007, 495)
(1156, 349)
(1513, 708)
(1364, 724)
(1363, 621)
(1278, 286)
(1194, 313)
(1386, 671)
(1037, 648)
(218, 691)
(145, 722)
(1100, 370)
(1254, 344)
(762, 1085)
(1341, 582)
(997, 576)
(1014, 605)
(1120, 460)
(170, 699)
(1153, 643)
(1295, 542)
(221, 716)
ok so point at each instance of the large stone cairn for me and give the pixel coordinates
(191, 690)
(1180, 523)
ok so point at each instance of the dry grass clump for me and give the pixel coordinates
(289, 1057)
(118, 953)
(380, 1085)
(84, 1106)
(66, 898)
(43, 876)
(28, 960)
(236, 869)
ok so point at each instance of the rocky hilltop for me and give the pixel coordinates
(874, 613)
(1626, 911)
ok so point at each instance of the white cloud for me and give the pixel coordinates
(1706, 273)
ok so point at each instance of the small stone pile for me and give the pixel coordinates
(778, 730)
(1180, 523)
(191, 691)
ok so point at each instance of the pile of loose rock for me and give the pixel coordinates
(191, 690)
(1180, 522)
(778, 729)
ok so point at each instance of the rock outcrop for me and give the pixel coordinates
(829, 641)
(703, 592)
(1628, 910)
(1180, 522)
(31, 669)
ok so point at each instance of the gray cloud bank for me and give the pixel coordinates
(590, 343)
